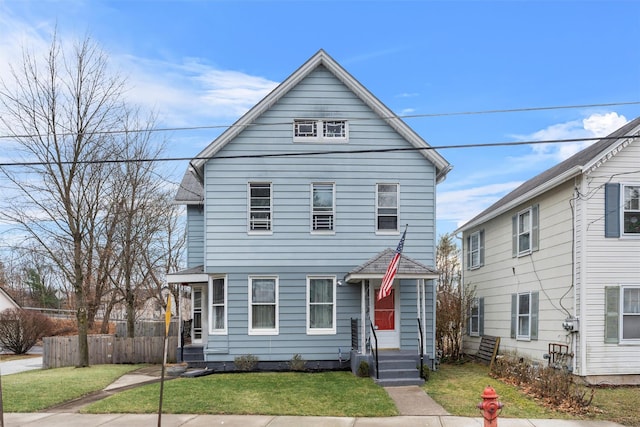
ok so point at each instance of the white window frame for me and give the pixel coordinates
(321, 331)
(378, 208)
(250, 211)
(320, 132)
(522, 232)
(523, 336)
(628, 209)
(474, 254)
(263, 331)
(474, 318)
(225, 305)
(313, 211)
(624, 314)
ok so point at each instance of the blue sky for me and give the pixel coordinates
(204, 63)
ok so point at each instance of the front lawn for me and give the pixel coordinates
(39, 389)
(458, 388)
(335, 394)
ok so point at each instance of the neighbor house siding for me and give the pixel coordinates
(547, 271)
(609, 262)
(195, 236)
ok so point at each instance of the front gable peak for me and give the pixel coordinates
(320, 59)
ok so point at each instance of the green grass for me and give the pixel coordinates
(458, 389)
(39, 389)
(338, 394)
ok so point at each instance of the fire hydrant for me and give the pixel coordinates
(490, 407)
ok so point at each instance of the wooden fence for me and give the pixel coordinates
(147, 328)
(106, 349)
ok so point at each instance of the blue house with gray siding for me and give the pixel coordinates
(291, 216)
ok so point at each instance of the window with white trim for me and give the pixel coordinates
(630, 321)
(260, 207)
(387, 197)
(475, 250)
(321, 304)
(524, 316)
(322, 207)
(474, 318)
(263, 305)
(526, 231)
(218, 303)
(320, 130)
(631, 210)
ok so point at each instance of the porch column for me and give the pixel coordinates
(363, 330)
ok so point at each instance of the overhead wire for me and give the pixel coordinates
(406, 116)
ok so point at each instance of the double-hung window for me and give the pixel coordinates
(475, 250)
(263, 305)
(474, 318)
(322, 207)
(526, 231)
(524, 316)
(621, 210)
(218, 298)
(387, 197)
(321, 305)
(260, 207)
(630, 324)
(622, 314)
(320, 130)
(631, 212)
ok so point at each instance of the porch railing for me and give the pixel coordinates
(420, 343)
(354, 335)
(374, 348)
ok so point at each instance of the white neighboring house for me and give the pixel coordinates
(6, 302)
(556, 264)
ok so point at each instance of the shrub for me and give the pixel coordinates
(425, 372)
(554, 386)
(297, 363)
(248, 362)
(363, 369)
(21, 329)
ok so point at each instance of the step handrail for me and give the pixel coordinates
(420, 343)
(375, 339)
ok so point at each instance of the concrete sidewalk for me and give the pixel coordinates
(20, 365)
(117, 420)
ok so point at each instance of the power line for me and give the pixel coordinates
(321, 153)
(355, 119)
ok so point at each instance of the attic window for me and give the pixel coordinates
(311, 130)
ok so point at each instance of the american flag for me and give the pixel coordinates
(387, 280)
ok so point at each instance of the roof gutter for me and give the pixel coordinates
(543, 188)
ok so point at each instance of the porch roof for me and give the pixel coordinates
(376, 267)
(189, 275)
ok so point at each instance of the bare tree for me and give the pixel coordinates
(452, 300)
(62, 110)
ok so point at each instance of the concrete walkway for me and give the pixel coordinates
(41, 419)
(20, 365)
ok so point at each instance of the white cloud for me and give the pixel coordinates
(594, 126)
(460, 206)
(191, 92)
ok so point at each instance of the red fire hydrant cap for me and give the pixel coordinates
(489, 393)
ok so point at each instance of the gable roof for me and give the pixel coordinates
(8, 298)
(376, 267)
(321, 58)
(556, 175)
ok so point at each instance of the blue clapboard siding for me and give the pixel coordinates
(195, 236)
(292, 252)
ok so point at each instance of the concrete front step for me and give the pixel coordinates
(398, 382)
